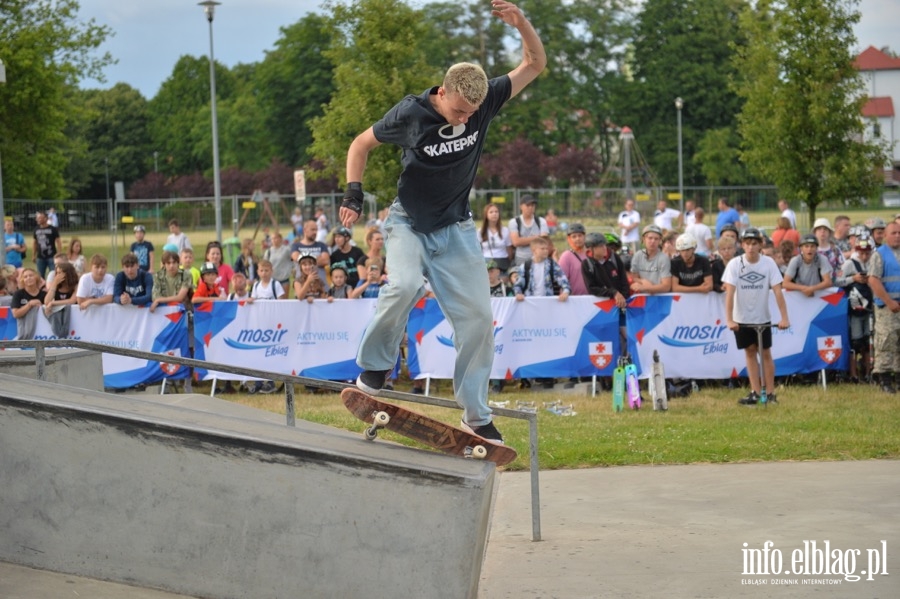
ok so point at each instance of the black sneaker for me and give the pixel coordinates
(772, 398)
(751, 400)
(487, 431)
(267, 387)
(372, 381)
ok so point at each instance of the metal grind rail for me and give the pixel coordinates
(40, 358)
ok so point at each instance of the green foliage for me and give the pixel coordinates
(180, 121)
(46, 49)
(377, 63)
(116, 129)
(292, 84)
(718, 156)
(682, 48)
(800, 123)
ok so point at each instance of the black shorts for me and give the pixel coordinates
(745, 336)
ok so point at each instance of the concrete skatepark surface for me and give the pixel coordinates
(653, 531)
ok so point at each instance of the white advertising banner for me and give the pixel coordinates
(689, 331)
(317, 340)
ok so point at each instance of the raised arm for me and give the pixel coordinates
(534, 59)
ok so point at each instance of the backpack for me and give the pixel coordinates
(519, 224)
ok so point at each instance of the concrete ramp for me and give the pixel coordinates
(163, 496)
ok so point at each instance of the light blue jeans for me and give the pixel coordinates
(451, 260)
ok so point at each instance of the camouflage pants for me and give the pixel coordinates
(887, 341)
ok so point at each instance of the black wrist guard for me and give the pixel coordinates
(353, 197)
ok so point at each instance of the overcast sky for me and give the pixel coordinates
(150, 36)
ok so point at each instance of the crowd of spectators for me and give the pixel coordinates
(678, 252)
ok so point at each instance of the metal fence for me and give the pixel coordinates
(241, 212)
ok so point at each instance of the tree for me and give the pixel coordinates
(719, 158)
(682, 48)
(292, 84)
(518, 163)
(377, 62)
(571, 99)
(574, 166)
(180, 121)
(46, 50)
(116, 129)
(801, 123)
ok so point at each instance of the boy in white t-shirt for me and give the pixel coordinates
(748, 279)
(95, 287)
(266, 287)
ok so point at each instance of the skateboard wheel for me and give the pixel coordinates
(381, 419)
(479, 452)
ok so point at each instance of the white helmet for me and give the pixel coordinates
(685, 241)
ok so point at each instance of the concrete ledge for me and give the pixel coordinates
(74, 367)
(117, 488)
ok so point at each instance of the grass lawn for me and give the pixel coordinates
(844, 422)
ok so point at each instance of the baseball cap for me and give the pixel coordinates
(139, 228)
(492, 264)
(576, 228)
(208, 267)
(809, 239)
(528, 199)
(822, 222)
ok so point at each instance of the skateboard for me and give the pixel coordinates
(632, 386)
(658, 391)
(619, 386)
(418, 427)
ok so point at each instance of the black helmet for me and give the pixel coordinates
(594, 239)
(751, 233)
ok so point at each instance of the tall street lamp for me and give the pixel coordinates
(679, 104)
(209, 7)
(2, 213)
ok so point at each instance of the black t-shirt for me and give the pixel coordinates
(439, 160)
(46, 239)
(349, 260)
(691, 276)
(22, 297)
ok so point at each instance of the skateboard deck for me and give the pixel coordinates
(658, 391)
(632, 386)
(619, 387)
(418, 427)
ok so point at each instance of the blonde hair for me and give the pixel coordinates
(468, 80)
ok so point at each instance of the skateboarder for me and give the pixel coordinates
(441, 133)
(747, 281)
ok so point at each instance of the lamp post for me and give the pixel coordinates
(2, 213)
(209, 8)
(679, 104)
